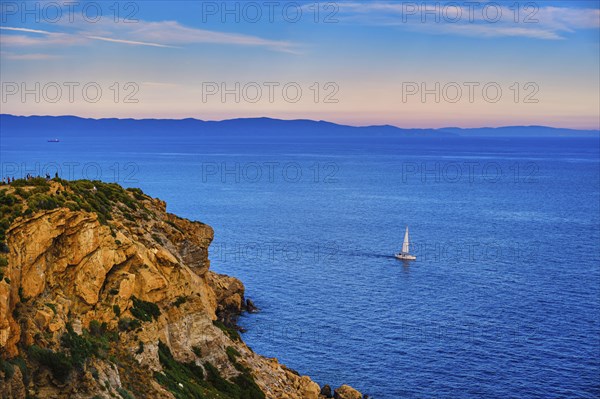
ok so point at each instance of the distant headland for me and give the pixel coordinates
(265, 126)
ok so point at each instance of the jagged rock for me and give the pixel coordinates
(230, 297)
(250, 306)
(346, 392)
(326, 391)
(71, 267)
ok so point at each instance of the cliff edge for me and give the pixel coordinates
(103, 294)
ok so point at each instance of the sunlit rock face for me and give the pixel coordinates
(122, 290)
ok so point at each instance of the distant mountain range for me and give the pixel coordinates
(55, 125)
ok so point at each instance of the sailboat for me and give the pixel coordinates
(404, 254)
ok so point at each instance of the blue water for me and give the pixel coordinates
(502, 302)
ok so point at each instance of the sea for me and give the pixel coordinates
(503, 300)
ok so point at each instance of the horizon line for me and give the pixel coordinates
(300, 119)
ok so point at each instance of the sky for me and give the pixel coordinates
(408, 64)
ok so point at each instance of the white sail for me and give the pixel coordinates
(405, 243)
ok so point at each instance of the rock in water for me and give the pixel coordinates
(105, 294)
(250, 307)
(326, 391)
(347, 392)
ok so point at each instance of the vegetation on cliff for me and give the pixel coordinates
(187, 380)
(24, 197)
(105, 199)
(104, 294)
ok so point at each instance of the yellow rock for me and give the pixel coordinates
(42, 318)
(347, 392)
(165, 257)
(86, 269)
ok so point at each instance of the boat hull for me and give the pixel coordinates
(405, 257)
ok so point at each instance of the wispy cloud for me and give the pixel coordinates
(500, 31)
(43, 32)
(547, 23)
(569, 19)
(132, 42)
(174, 33)
(36, 37)
(164, 34)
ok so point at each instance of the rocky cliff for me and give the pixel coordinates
(103, 294)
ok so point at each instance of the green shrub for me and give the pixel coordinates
(43, 202)
(137, 193)
(20, 363)
(22, 193)
(22, 297)
(59, 364)
(248, 387)
(10, 208)
(231, 332)
(157, 238)
(180, 301)
(185, 381)
(94, 342)
(98, 329)
(197, 351)
(126, 324)
(232, 354)
(125, 394)
(72, 206)
(144, 311)
(8, 199)
(174, 225)
(80, 346)
(221, 384)
(140, 348)
(7, 369)
(102, 199)
(117, 310)
(35, 182)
